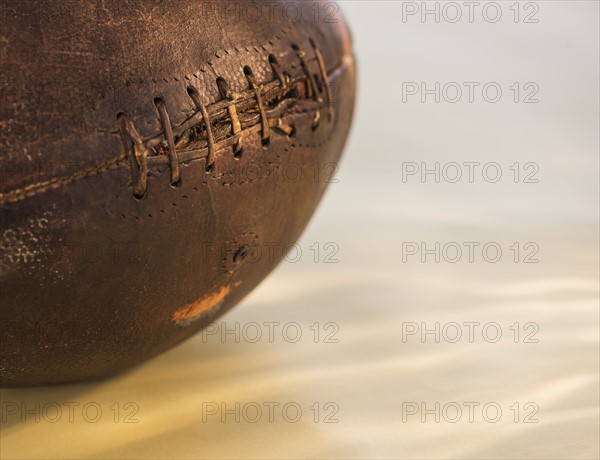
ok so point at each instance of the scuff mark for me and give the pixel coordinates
(29, 246)
(212, 301)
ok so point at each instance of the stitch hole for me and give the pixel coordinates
(248, 71)
(295, 47)
(298, 91)
(237, 155)
(209, 168)
(273, 59)
(265, 142)
(223, 87)
(240, 254)
(177, 184)
(191, 91)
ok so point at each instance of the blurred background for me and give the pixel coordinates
(444, 302)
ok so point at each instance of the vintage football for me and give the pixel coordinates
(157, 157)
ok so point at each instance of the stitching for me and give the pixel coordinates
(136, 155)
(219, 54)
(137, 151)
(260, 103)
(193, 93)
(165, 121)
(34, 189)
(236, 126)
(248, 102)
(324, 78)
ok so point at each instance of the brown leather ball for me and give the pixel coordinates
(156, 159)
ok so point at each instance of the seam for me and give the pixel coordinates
(163, 149)
(43, 186)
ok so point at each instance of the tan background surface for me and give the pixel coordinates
(370, 294)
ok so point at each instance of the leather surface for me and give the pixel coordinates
(94, 279)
